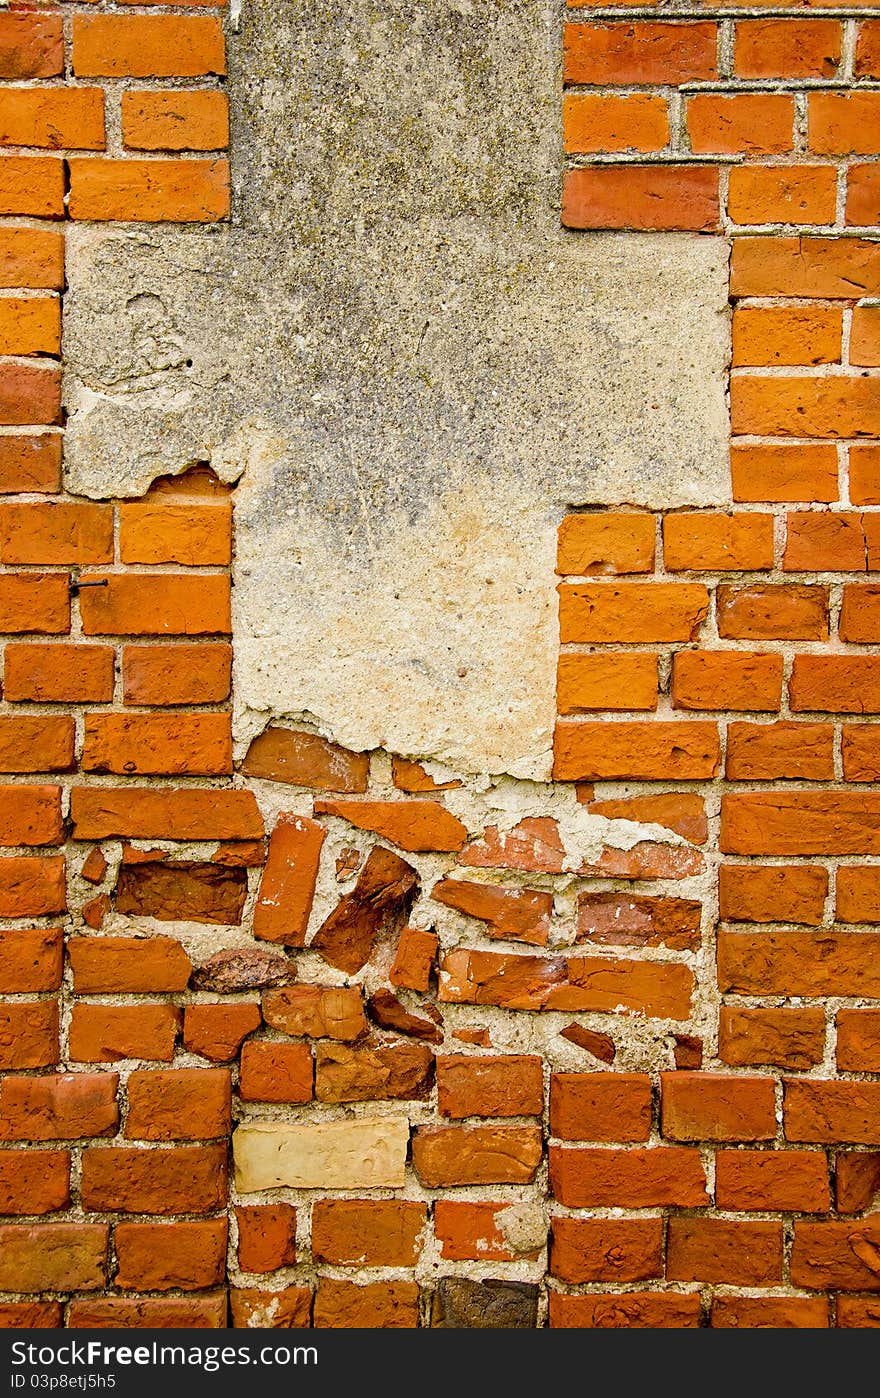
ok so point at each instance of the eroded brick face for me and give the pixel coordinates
(637, 1072)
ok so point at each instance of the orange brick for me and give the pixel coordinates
(853, 1312)
(606, 612)
(835, 1256)
(29, 1036)
(166, 1256)
(797, 963)
(182, 1104)
(412, 776)
(681, 811)
(836, 683)
(774, 335)
(445, 1156)
(844, 123)
(629, 1179)
(800, 822)
(784, 1038)
(835, 268)
(53, 1257)
(746, 123)
(276, 1072)
(155, 604)
(385, 1305)
(412, 825)
(306, 759)
(600, 1106)
(830, 1112)
(32, 887)
(769, 1313)
(862, 195)
(368, 1232)
(30, 462)
(31, 44)
(30, 959)
(606, 1249)
(833, 541)
(781, 472)
(266, 1237)
(726, 680)
(593, 122)
(29, 396)
(287, 888)
(34, 602)
(860, 749)
(184, 1179)
(506, 1085)
(661, 197)
(639, 53)
(858, 893)
(806, 407)
(864, 344)
(184, 674)
(787, 48)
(30, 325)
(606, 543)
(34, 1181)
(56, 533)
(625, 1310)
(723, 1250)
(149, 813)
(780, 751)
(151, 191)
(128, 965)
(175, 120)
(55, 118)
(717, 1107)
(158, 744)
(58, 674)
(147, 46)
(30, 815)
(216, 1032)
(38, 743)
(414, 961)
(858, 1041)
(774, 194)
(103, 1033)
(31, 257)
(860, 614)
(585, 682)
(857, 1180)
(772, 893)
(648, 751)
(469, 1231)
(770, 612)
(621, 919)
(864, 474)
(288, 1308)
(790, 1181)
(32, 185)
(194, 534)
(868, 50)
(717, 542)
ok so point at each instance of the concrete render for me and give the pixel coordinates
(409, 366)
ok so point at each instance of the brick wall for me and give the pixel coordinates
(637, 1088)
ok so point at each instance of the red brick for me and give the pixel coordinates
(52, 117)
(717, 1107)
(649, 859)
(723, 1250)
(144, 813)
(603, 612)
(858, 1312)
(341, 1305)
(787, 335)
(772, 893)
(769, 1313)
(600, 1106)
(156, 604)
(862, 208)
(53, 1257)
(649, 751)
(147, 46)
(619, 919)
(606, 1249)
(857, 1180)
(207, 1312)
(286, 1309)
(639, 53)
(681, 811)
(864, 340)
(30, 1315)
(858, 894)
(533, 844)
(412, 776)
(179, 1105)
(860, 749)
(58, 1107)
(103, 1033)
(216, 1032)
(844, 123)
(660, 197)
(170, 1256)
(34, 602)
(31, 886)
(181, 674)
(29, 1034)
(30, 461)
(798, 963)
(836, 1256)
(414, 961)
(59, 674)
(275, 1072)
(800, 822)
(411, 825)
(287, 888)
(593, 122)
(775, 751)
(717, 542)
(746, 123)
(266, 1236)
(471, 1232)
(625, 1310)
(521, 915)
(628, 1179)
(175, 120)
(163, 533)
(368, 1232)
(787, 48)
(772, 1180)
(445, 1156)
(34, 1181)
(508, 1085)
(306, 759)
(31, 44)
(837, 406)
(858, 1041)
(30, 959)
(184, 1179)
(860, 614)
(128, 965)
(36, 743)
(784, 472)
(30, 815)
(784, 1038)
(832, 1111)
(158, 744)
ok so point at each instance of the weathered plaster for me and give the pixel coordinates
(412, 368)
